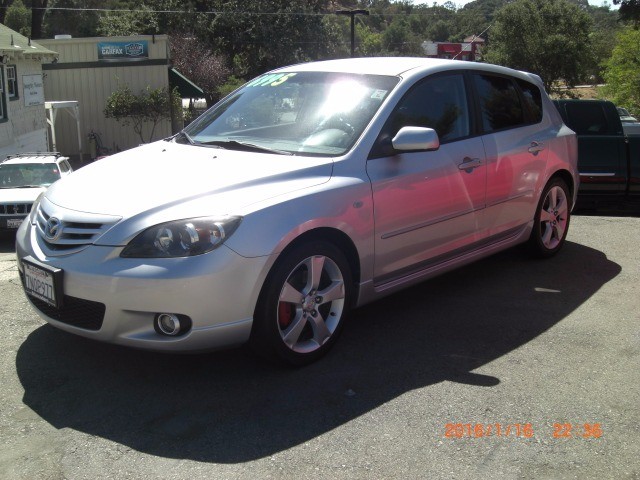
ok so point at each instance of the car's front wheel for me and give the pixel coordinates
(303, 304)
(551, 222)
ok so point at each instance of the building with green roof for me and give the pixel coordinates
(23, 119)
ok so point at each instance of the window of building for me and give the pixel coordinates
(12, 83)
(3, 98)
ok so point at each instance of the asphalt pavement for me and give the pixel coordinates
(510, 368)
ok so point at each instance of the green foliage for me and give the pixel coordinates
(150, 106)
(18, 18)
(622, 71)
(245, 38)
(140, 22)
(546, 37)
(629, 11)
(230, 85)
(266, 34)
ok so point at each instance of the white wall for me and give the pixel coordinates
(25, 128)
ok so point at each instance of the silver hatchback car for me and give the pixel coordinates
(311, 190)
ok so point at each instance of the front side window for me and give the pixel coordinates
(439, 103)
(313, 113)
(500, 104)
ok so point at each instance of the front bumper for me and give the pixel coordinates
(115, 300)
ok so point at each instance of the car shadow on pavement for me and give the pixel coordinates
(230, 407)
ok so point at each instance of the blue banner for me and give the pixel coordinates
(119, 51)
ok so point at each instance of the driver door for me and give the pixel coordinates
(427, 204)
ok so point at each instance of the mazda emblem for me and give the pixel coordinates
(53, 229)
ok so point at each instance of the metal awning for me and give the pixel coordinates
(186, 88)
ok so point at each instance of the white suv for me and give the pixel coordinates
(23, 178)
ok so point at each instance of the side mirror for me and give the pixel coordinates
(416, 138)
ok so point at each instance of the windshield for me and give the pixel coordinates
(17, 175)
(294, 113)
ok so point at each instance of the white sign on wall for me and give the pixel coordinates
(33, 90)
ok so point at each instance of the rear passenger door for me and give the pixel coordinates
(427, 204)
(514, 138)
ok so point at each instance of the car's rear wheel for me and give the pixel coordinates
(303, 304)
(551, 222)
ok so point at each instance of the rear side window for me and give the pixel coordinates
(500, 104)
(587, 118)
(532, 98)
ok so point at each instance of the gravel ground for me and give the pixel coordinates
(545, 351)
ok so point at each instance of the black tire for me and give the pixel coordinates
(303, 304)
(551, 221)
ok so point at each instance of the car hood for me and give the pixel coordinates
(165, 176)
(20, 195)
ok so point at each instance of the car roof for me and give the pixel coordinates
(398, 66)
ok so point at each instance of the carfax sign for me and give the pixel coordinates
(119, 51)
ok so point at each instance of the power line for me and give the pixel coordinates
(233, 12)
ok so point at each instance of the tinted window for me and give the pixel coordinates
(532, 98)
(439, 103)
(586, 118)
(499, 103)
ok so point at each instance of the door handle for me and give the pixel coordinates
(468, 164)
(535, 148)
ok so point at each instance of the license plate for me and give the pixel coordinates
(43, 282)
(14, 222)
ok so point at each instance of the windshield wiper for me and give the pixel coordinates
(250, 147)
(25, 186)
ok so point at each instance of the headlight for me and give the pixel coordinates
(182, 238)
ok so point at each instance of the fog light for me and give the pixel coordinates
(171, 324)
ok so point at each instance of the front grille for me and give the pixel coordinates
(15, 208)
(75, 311)
(74, 231)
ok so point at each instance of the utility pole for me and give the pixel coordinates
(352, 14)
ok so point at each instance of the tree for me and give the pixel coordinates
(629, 11)
(38, 9)
(398, 39)
(150, 106)
(18, 18)
(142, 21)
(65, 17)
(4, 5)
(194, 59)
(603, 38)
(259, 35)
(546, 37)
(622, 71)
